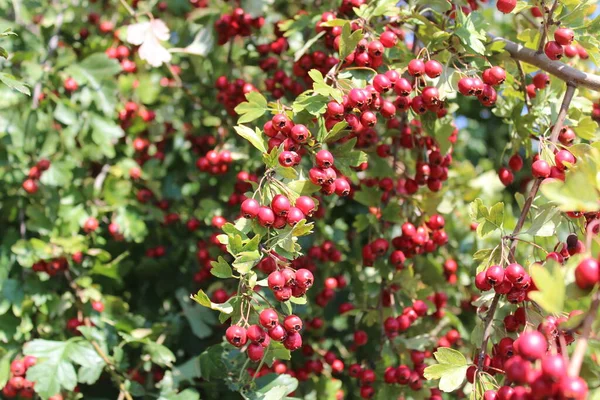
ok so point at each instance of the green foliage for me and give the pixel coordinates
(450, 370)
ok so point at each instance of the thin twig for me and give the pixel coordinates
(582, 342)
(521, 221)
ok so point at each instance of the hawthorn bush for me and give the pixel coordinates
(313, 199)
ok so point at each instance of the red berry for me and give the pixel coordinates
(294, 216)
(250, 208)
(494, 76)
(266, 216)
(531, 345)
(553, 50)
(573, 388)
(17, 367)
(268, 318)
(280, 205)
(433, 69)
(236, 335)
(515, 273)
(304, 278)
(292, 323)
(277, 333)
(563, 156)
(587, 273)
(506, 176)
(416, 67)
(554, 367)
(564, 36)
(306, 205)
(540, 169)
(255, 352)
(494, 275)
(276, 280)
(388, 39)
(382, 83)
(541, 80)
(515, 162)
(293, 341)
(324, 159)
(506, 6)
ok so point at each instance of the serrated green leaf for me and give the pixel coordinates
(349, 40)
(221, 268)
(550, 283)
(252, 109)
(253, 136)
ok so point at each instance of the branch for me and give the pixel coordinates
(489, 319)
(562, 71)
(579, 353)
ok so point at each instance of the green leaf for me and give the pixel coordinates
(303, 187)
(53, 372)
(489, 220)
(93, 69)
(550, 283)
(252, 109)
(587, 128)
(212, 364)
(349, 40)
(392, 213)
(336, 133)
(254, 137)
(568, 195)
(473, 37)
(202, 299)
(320, 87)
(159, 354)
(276, 351)
(105, 134)
(314, 104)
(346, 157)
(221, 268)
(201, 320)
(450, 370)
(14, 83)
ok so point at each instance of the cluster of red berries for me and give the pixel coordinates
(230, 94)
(393, 325)
(288, 282)
(324, 175)
(281, 84)
(215, 162)
(512, 281)
(17, 385)
(281, 211)
(483, 89)
(268, 329)
(156, 252)
(562, 37)
(127, 115)
(30, 184)
(328, 292)
(562, 159)
(238, 23)
(51, 267)
(413, 241)
(401, 375)
(205, 260)
(515, 163)
(532, 369)
(512, 322)
(450, 267)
